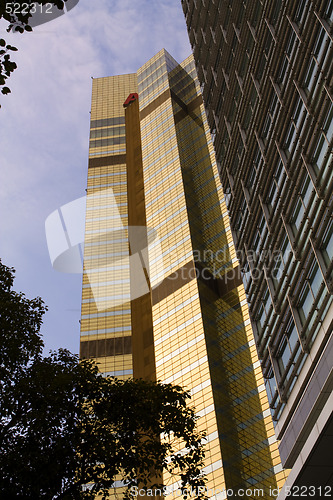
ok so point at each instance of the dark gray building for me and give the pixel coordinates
(266, 73)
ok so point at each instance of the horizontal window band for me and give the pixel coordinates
(121, 281)
(104, 331)
(105, 231)
(111, 141)
(121, 217)
(106, 255)
(108, 207)
(111, 185)
(118, 373)
(106, 242)
(108, 122)
(116, 346)
(104, 161)
(106, 152)
(108, 132)
(123, 296)
(105, 314)
(121, 173)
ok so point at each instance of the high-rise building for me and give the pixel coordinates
(162, 292)
(266, 73)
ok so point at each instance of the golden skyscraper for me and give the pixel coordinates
(162, 293)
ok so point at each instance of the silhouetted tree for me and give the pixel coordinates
(68, 432)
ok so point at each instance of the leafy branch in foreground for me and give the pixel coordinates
(17, 14)
(67, 432)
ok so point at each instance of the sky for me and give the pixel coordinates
(44, 132)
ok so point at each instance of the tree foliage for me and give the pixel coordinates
(67, 432)
(18, 21)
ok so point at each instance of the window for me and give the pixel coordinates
(234, 44)
(256, 14)
(267, 43)
(315, 59)
(263, 310)
(221, 99)
(261, 68)
(246, 275)
(289, 137)
(286, 347)
(253, 97)
(323, 142)
(271, 387)
(327, 244)
(301, 11)
(247, 118)
(227, 17)
(244, 65)
(309, 293)
(289, 54)
(275, 187)
(240, 16)
(298, 112)
(301, 204)
(282, 73)
(275, 12)
(328, 14)
(218, 61)
(273, 109)
(255, 169)
(292, 44)
(281, 259)
(240, 147)
(259, 235)
(242, 216)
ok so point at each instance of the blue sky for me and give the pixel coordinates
(44, 132)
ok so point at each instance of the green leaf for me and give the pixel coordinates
(28, 28)
(10, 47)
(2, 42)
(6, 90)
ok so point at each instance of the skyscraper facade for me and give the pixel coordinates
(266, 73)
(162, 293)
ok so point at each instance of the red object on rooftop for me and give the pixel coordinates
(130, 98)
